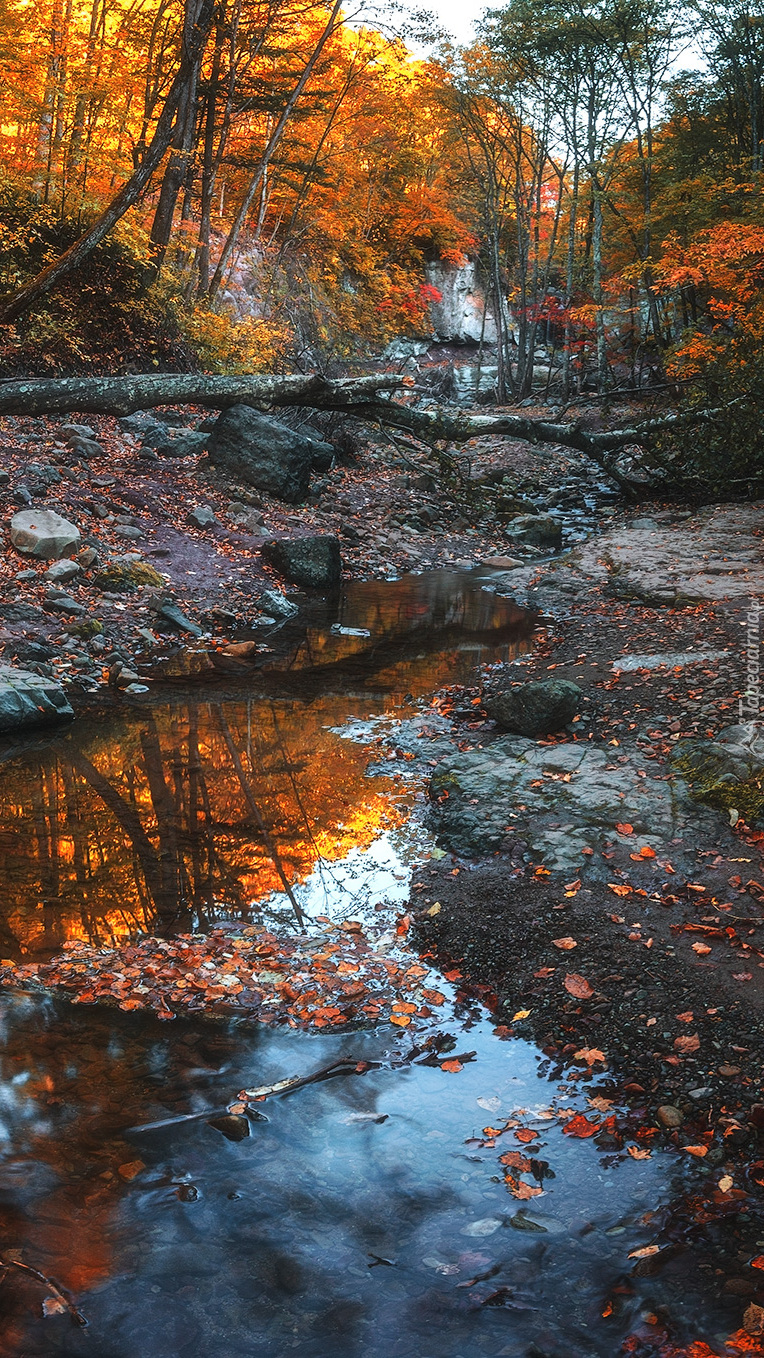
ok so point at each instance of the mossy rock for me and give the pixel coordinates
(727, 773)
(128, 577)
(86, 630)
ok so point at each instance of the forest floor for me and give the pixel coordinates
(390, 518)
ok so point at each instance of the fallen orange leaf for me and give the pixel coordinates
(578, 986)
(581, 1126)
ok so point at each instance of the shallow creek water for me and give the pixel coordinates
(354, 1217)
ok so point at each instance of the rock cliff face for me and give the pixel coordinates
(459, 315)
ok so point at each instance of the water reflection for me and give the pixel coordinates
(172, 816)
(178, 1241)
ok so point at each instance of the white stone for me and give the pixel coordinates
(43, 533)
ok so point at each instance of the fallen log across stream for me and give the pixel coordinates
(368, 397)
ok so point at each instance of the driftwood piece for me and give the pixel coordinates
(61, 1297)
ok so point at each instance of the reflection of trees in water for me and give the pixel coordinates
(175, 817)
(165, 819)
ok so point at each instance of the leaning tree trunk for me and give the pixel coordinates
(44, 283)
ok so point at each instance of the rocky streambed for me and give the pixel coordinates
(625, 850)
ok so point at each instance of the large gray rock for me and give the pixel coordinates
(560, 801)
(273, 602)
(27, 700)
(44, 533)
(535, 530)
(264, 453)
(202, 516)
(61, 571)
(535, 709)
(314, 562)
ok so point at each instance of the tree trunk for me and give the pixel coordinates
(271, 148)
(121, 395)
(176, 169)
(362, 397)
(40, 286)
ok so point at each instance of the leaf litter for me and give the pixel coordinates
(338, 978)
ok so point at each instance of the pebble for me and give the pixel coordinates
(669, 1116)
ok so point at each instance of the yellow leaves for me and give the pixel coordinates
(698, 1151)
(521, 1014)
(619, 888)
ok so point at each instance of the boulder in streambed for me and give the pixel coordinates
(535, 530)
(536, 709)
(44, 533)
(28, 701)
(314, 562)
(727, 772)
(265, 453)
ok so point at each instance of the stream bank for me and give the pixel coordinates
(608, 854)
(412, 1211)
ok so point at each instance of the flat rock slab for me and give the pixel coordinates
(560, 801)
(627, 664)
(28, 701)
(44, 533)
(714, 555)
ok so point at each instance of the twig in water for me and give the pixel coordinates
(77, 1316)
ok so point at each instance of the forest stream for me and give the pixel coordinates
(365, 1215)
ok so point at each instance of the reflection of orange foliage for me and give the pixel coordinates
(87, 875)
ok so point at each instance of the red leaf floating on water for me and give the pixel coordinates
(581, 1126)
(525, 1134)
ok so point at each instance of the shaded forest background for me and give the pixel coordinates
(280, 173)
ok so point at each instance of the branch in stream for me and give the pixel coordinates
(345, 1066)
(77, 1316)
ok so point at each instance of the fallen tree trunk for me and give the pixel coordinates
(364, 397)
(123, 395)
